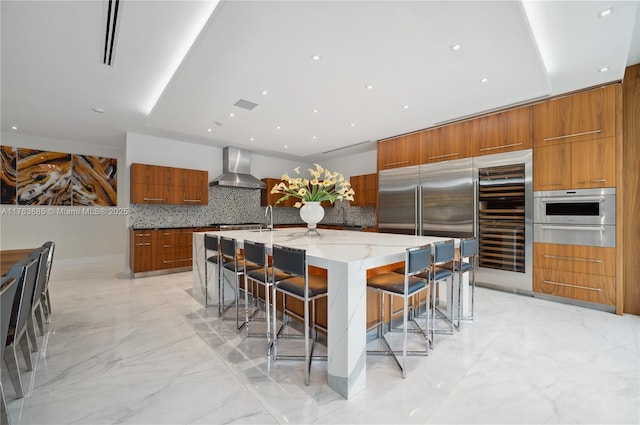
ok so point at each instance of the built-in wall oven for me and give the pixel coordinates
(575, 217)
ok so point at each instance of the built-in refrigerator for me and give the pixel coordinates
(488, 196)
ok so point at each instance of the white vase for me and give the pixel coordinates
(311, 213)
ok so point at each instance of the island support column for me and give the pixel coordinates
(347, 317)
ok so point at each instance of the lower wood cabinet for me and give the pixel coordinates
(585, 273)
(161, 249)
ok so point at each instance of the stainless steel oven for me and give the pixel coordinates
(577, 217)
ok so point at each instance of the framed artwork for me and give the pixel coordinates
(8, 175)
(44, 178)
(94, 180)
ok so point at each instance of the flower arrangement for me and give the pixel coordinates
(323, 186)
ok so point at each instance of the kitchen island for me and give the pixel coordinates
(346, 256)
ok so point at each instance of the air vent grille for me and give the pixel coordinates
(111, 31)
(245, 104)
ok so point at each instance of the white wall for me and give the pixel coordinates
(76, 236)
(354, 165)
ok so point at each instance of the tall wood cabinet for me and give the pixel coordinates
(366, 190)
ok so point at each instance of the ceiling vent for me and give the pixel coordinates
(112, 7)
(245, 104)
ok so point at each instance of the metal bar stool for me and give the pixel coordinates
(416, 278)
(212, 256)
(231, 264)
(259, 274)
(8, 289)
(468, 251)
(300, 285)
(443, 256)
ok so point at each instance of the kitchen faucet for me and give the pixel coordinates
(269, 210)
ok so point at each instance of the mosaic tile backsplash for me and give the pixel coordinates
(235, 205)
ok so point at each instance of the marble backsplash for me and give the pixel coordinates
(235, 205)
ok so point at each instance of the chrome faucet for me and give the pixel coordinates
(269, 210)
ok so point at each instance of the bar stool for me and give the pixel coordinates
(443, 255)
(468, 251)
(212, 256)
(231, 264)
(45, 291)
(416, 278)
(300, 285)
(259, 274)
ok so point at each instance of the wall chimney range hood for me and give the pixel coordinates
(236, 169)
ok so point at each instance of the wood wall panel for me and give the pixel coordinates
(629, 226)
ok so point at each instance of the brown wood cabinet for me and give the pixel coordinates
(153, 184)
(365, 187)
(580, 165)
(582, 116)
(399, 152)
(446, 143)
(585, 273)
(141, 250)
(268, 198)
(502, 132)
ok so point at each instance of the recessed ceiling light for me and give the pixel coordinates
(13, 127)
(264, 92)
(286, 146)
(406, 106)
(603, 69)
(316, 57)
(606, 12)
(484, 80)
(252, 139)
(98, 110)
(352, 124)
(456, 46)
(314, 137)
(209, 130)
(368, 87)
(315, 111)
(277, 127)
(232, 115)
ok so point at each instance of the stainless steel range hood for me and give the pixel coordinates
(236, 169)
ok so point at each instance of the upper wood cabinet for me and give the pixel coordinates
(399, 152)
(502, 132)
(152, 184)
(268, 198)
(581, 165)
(582, 116)
(446, 143)
(366, 188)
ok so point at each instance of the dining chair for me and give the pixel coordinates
(24, 272)
(8, 288)
(45, 291)
(416, 278)
(38, 314)
(299, 284)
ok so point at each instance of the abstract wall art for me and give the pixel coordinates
(8, 175)
(95, 180)
(44, 178)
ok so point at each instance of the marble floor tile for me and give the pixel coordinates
(144, 351)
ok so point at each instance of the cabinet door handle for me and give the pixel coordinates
(396, 163)
(175, 261)
(548, 139)
(574, 228)
(153, 199)
(556, 257)
(143, 234)
(143, 244)
(500, 147)
(445, 155)
(191, 200)
(571, 286)
(592, 181)
(551, 184)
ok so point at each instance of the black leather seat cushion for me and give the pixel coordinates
(231, 265)
(394, 282)
(295, 285)
(258, 274)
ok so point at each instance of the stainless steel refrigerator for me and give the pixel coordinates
(431, 199)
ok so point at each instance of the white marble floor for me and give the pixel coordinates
(144, 352)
